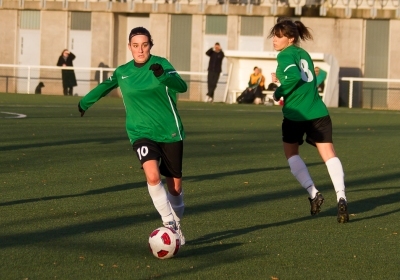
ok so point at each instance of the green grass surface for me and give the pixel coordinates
(74, 202)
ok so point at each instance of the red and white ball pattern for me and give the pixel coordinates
(164, 243)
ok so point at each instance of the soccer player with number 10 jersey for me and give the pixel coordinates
(149, 85)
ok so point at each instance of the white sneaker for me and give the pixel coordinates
(176, 226)
(208, 99)
(171, 225)
(179, 231)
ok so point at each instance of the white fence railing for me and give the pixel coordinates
(351, 81)
(29, 69)
(24, 78)
(198, 80)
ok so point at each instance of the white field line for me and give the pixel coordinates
(14, 115)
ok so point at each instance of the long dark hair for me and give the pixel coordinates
(285, 27)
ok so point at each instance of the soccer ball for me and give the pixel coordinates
(164, 243)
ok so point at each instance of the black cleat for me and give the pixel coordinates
(316, 203)
(342, 214)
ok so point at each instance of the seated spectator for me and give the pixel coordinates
(321, 76)
(272, 87)
(254, 89)
(260, 97)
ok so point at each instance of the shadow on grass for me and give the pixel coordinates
(371, 203)
(62, 143)
(33, 237)
(222, 235)
(46, 235)
(116, 188)
(129, 186)
(206, 250)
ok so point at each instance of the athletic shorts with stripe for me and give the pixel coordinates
(169, 155)
(316, 131)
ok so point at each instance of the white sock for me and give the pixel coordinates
(177, 205)
(335, 170)
(300, 171)
(160, 200)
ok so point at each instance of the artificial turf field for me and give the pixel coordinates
(74, 202)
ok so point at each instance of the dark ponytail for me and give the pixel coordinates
(304, 31)
(285, 27)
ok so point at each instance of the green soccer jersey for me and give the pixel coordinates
(150, 102)
(298, 87)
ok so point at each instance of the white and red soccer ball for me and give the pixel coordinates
(164, 243)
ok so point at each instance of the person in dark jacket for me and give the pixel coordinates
(68, 76)
(214, 69)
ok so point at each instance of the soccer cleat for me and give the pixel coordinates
(177, 228)
(179, 231)
(171, 225)
(342, 214)
(316, 203)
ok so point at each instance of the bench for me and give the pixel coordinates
(267, 96)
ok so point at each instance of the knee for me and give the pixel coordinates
(153, 179)
(153, 182)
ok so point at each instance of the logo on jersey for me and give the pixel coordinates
(124, 77)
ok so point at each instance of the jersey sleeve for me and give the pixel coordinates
(98, 92)
(171, 78)
(288, 74)
(209, 51)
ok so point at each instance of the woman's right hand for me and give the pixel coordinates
(274, 78)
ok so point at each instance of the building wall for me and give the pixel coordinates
(394, 49)
(342, 37)
(53, 40)
(8, 49)
(233, 32)
(268, 23)
(120, 40)
(160, 31)
(8, 35)
(394, 66)
(102, 38)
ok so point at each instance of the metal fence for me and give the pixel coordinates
(373, 93)
(25, 78)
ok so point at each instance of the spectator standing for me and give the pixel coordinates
(68, 76)
(214, 69)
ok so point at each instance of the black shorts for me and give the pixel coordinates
(169, 155)
(317, 131)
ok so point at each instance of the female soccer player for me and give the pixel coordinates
(304, 113)
(149, 85)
